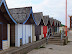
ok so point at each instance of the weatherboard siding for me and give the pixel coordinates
(33, 33)
(6, 44)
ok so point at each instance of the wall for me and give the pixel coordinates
(33, 33)
(42, 35)
(12, 34)
(6, 44)
(22, 32)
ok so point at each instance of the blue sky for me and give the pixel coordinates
(53, 8)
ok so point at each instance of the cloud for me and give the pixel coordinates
(53, 8)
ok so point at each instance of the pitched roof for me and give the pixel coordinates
(51, 20)
(38, 16)
(4, 9)
(45, 20)
(21, 14)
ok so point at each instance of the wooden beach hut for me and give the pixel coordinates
(24, 29)
(45, 28)
(51, 24)
(5, 24)
(38, 30)
(54, 25)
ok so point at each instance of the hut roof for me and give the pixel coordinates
(5, 11)
(45, 20)
(51, 21)
(21, 14)
(38, 16)
(54, 22)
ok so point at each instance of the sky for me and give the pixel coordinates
(53, 8)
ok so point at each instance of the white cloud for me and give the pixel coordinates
(53, 8)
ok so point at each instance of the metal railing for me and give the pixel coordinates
(62, 34)
(49, 34)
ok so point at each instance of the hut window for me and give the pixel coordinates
(4, 31)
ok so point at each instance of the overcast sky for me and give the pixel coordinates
(53, 8)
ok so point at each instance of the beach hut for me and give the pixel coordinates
(38, 16)
(42, 24)
(5, 24)
(51, 24)
(59, 25)
(54, 24)
(45, 28)
(24, 29)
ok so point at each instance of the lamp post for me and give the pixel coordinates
(66, 17)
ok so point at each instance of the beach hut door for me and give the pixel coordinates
(0, 36)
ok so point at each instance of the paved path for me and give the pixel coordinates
(55, 49)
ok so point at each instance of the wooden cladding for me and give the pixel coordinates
(12, 34)
(37, 32)
(0, 36)
(4, 31)
(30, 20)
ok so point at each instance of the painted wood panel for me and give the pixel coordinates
(4, 31)
(28, 33)
(20, 30)
(17, 38)
(12, 34)
(44, 30)
(33, 33)
(23, 32)
(0, 36)
(24, 35)
(6, 44)
(37, 32)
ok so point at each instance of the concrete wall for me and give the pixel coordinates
(6, 44)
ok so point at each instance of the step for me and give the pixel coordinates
(54, 39)
(56, 43)
(57, 35)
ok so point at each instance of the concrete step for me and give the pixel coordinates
(57, 43)
(49, 41)
(54, 39)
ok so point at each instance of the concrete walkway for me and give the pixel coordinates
(55, 49)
